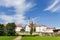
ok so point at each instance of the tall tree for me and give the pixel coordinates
(10, 28)
(31, 25)
(2, 30)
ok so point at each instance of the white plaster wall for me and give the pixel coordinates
(18, 28)
(27, 29)
(37, 29)
(50, 31)
(42, 29)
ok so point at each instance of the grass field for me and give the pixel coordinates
(7, 37)
(40, 38)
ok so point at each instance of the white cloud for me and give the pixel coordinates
(54, 6)
(56, 9)
(21, 7)
(16, 18)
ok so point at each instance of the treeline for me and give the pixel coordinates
(8, 30)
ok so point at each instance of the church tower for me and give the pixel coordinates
(28, 21)
(27, 29)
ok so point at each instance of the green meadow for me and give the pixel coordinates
(7, 37)
(40, 38)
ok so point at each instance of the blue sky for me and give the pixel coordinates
(40, 11)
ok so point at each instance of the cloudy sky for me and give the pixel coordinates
(40, 11)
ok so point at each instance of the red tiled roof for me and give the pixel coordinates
(19, 25)
(49, 28)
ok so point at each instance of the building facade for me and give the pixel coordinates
(18, 27)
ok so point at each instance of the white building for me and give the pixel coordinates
(49, 30)
(27, 28)
(18, 27)
(38, 28)
(43, 28)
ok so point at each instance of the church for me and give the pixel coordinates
(38, 27)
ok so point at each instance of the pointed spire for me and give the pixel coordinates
(28, 20)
